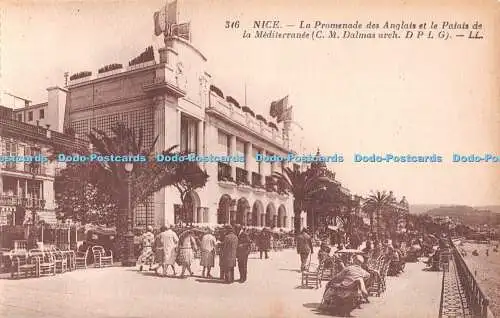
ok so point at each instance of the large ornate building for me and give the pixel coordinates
(172, 97)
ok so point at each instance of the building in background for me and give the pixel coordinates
(27, 188)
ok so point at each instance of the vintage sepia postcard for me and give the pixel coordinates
(260, 159)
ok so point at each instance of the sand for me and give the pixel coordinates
(487, 269)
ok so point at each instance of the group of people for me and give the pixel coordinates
(168, 248)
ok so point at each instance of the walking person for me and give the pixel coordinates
(207, 246)
(186, 252)
(147, 241)
(304, 248)
(264, 243)
(244, 246)
(167, 244)
(228, 260)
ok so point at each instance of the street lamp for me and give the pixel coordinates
(129, 250)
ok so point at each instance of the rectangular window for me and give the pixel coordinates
(189, 135)
(224, 143)
(11, 150)
(19, 117)
(30, 116)
(42, 113)
(240, 147)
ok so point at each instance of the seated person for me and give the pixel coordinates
(368, 248)
(348, 286)
(323, 253)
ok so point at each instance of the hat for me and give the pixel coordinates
(149, 228)
(359, 258)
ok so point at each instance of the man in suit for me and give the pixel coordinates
(304, 248)
(244, 246)
(229, 247)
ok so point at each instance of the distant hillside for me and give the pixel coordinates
(467, 215)
(492, 208)
(422, 208)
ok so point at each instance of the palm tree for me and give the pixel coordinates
(146, 178)
(302, 185)
(378, 202)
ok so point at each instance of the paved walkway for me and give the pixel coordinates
(454, 302)
(272, 291)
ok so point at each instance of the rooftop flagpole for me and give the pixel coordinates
(246, 94)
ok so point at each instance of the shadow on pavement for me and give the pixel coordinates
(315, 309)
(305, 287)
(290, 270)
(211, 281)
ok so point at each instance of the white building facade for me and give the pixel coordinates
(174, 99)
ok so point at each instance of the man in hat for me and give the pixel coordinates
(264, 243)
(229, 248)
(244, 246)
(304, 248)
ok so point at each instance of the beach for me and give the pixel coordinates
(487, 271)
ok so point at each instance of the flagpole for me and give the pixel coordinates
(246, 94)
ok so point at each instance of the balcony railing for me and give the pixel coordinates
(224, 172)
(476, 299)
(270, 184)
(256, 180)
(241, 176)
(281, 188)
(20, 201)
(222, 107)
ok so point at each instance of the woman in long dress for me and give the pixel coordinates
(186, 252)
(208, 244)
(166, 246)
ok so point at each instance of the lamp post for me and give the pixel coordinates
(128, 258)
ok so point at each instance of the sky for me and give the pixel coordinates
(418, 97)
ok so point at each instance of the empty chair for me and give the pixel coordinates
(312, 275)
(101, 259)
(22, 265)
(81, 259)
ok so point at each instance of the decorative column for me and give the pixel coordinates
(232, 152)
(249, 161)
(199, 215)
(200, 139)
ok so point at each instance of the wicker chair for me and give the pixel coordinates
(81, 259)
(22, 265)
(101, 259)
(46, 264)
(60, 260)
(312, 275)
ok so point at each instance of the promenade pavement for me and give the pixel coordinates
(272, 290)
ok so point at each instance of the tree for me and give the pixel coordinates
(188, 177)
(378, 202)
(146, 177)
(81, 195)
(302, 185)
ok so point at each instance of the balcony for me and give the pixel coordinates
(167, 81)
(257, 180)
(224, 175)
(30, 203)
(31, 168)
(242, 179)
(270, 184)
(223, 108)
